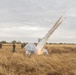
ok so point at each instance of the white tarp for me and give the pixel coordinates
(31, 48)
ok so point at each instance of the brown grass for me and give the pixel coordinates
(60, 61)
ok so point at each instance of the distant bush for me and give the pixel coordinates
(3, 41)
(14, 41)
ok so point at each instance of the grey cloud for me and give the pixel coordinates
(16, 16)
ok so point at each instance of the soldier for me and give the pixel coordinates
(0, 45)
(14, 46)
(22, 45)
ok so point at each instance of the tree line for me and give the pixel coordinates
(14, 41)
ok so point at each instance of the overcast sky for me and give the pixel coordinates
(28, 20)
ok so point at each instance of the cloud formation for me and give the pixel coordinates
(28, 20)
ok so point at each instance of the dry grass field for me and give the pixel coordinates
(60, 61)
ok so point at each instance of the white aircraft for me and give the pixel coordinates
(39, 49)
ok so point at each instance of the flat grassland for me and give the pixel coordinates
(60, 61)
